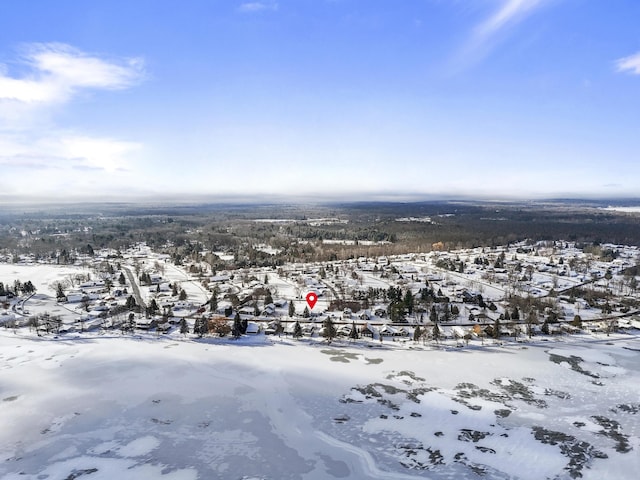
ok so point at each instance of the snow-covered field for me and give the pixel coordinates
(43, 277)
(101, 407)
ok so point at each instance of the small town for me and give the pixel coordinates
(510, 293)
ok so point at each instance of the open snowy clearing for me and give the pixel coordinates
(122, 407)
(43, 276)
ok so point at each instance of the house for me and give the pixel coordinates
(483, 317)
(75, 297)
(457, 332)
(368, 331)
(468, 297)
(380, 312)
(247, 310)
(308, 328)
(253, 328)
(388, 331)
(146, 323)
(568, 328)
(405, 332)
(343, 330)
(219, 278)
(102, 307)
(164, 327)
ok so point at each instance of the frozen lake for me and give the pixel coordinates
(112, 407)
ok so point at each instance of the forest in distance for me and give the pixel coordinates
(319, 232)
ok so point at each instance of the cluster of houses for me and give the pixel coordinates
(469, 279)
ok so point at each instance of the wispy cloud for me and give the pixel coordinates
(254, 7)
(509, 13)
(56, 71)
(485, 35)
(630, 64)
(50, 76)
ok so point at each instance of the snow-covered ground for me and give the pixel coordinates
(105, 407)
(43, 276)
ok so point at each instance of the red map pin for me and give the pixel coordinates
(312, 298)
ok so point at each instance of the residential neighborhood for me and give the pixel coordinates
(512, 292)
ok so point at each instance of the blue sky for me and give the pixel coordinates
(353, 99)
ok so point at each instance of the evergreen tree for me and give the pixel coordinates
(292, 308)
(183, 295)
(408, 301)
(205, 327)
(213, 303)
(268, 299)
(436, 333)
(545, 328)
(417, 333)
(174, 289)
(28, 287)
(131, 303)
(121, 279)
(297, 330)
(196, 327)
(481, 303)
(433, 315)
(153, 306)
(184, 328)
(59, 291)
(577, 321)
(396, 312)
(306, 313)
(446, 313)
(236, 330)
(329, 330)
(353, 334)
